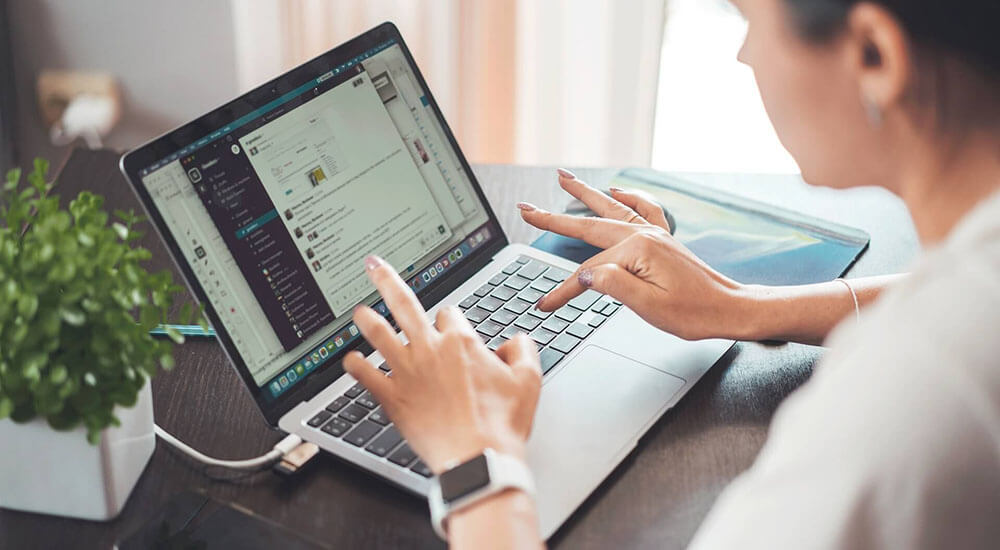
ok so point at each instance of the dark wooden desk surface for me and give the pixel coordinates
(655, 499)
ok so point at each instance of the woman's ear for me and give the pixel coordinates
(878, 52)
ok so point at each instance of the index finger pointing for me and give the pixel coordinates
(600, 232)
(403, 304)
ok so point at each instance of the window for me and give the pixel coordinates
(709, 116)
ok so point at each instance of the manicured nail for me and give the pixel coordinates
(526, 207)
(566, 173)
(538, 304)
(586, 278)
(615, 189)
(372, 262)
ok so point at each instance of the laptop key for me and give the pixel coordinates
(503, 293)
(319, 419)
(517, 305)
(338, 403)
(367, 400)
(532, 270)
(498, 279)
(543, 285)
(490, 304)
(530, 295)
(596, 321)
(510, 332)
(610, 310)
(585, 300)
(378, 416)
(527, 322)
(535, 312)
(579, 330)
(549, 359)
(503, 317)
(355, 391)
(556, 274)
(601, 304)
(564, 343)
(337, 427)
(422, 469)
(542, 336)
(403, 456)
(510, 269)
(484, 337)
(495, 343)
(385, 442)
(477, 315)
(353, 412)
(468, 302)
(517, 282)
(568, 313)
(489, 328)
(482, 291)
(555, 324)
(523, 259)
(362, 433)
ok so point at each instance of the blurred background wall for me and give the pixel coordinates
(558, 82)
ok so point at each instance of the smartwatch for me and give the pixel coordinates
(476, 479)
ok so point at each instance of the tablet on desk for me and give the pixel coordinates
(746, 240)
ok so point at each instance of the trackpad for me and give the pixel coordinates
(590, 415)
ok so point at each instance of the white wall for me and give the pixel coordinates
(174, 60)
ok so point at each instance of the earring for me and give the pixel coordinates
(873, 110)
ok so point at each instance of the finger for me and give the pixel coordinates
(651, 211)
(579, 281)
(401, 301)
(370, 377)
(379, 334)
(600, 232)
(598, 202)
(451, 318)
(521, 354)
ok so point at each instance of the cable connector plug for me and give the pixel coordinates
(294, 460)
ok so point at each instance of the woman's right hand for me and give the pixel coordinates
(643, 266)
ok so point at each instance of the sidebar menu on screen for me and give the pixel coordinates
(261, 245)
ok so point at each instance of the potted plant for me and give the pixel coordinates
(76, 307)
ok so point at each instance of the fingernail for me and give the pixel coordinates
(372, 262)
(538, 304)
(566, 173)
(526, 207)
(615, 189)
(586, 278)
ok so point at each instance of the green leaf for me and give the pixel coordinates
(6, 404)
(73, 316)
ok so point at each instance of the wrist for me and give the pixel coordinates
(754, 313)
(465, 448)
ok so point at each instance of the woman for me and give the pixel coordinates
(897, 93)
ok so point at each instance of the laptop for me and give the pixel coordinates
(268, 205)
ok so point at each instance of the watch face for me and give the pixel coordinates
(464, 479)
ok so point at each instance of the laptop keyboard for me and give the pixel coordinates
(499, 310)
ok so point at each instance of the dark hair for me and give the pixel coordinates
(956, 44)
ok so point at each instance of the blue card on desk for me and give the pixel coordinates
(746, 240)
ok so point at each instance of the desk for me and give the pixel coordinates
(655, 499)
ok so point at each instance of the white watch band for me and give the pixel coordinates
(505, 472)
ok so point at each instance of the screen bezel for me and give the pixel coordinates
(152, 152)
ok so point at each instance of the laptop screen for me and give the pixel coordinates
(276, 210)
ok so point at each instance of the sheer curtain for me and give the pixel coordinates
(524, 81)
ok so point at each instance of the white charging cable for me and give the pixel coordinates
(279, 450)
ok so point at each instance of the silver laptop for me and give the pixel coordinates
(269, 204)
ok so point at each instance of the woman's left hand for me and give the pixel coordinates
(448, 394)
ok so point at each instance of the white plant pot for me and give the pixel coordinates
(60, 473)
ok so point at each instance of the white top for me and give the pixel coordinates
(895, 441)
